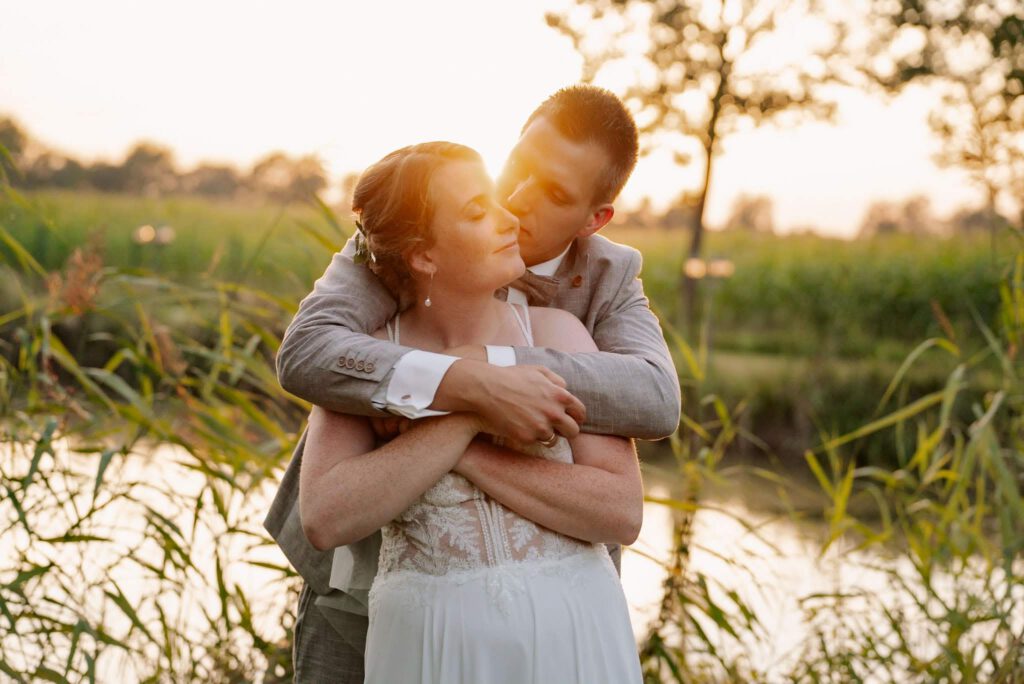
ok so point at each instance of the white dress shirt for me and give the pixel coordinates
(417, 374)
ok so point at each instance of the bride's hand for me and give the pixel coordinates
(388, 428)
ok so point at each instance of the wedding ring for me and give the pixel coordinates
(550, 441)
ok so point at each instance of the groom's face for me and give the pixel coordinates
(549, 183)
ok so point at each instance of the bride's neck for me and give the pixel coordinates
(454, 319)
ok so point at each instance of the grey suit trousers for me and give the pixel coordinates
(320, 654)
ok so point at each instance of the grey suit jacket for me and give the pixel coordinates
(630, 387)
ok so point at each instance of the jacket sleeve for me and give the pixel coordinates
(630, 387)
(327, 356)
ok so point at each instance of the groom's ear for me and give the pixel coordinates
(599, 218)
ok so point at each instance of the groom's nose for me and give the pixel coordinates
(519, 201)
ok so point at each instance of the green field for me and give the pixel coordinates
(808, 331)
(803, 295)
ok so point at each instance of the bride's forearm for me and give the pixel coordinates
(578, 500)
(358, 494)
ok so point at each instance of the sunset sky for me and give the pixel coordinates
(349, 81)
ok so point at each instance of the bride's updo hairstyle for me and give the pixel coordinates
(395, 206)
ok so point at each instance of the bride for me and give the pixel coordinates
(480, 579)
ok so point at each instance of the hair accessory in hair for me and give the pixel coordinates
(363, 253)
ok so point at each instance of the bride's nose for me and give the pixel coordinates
(508, 222)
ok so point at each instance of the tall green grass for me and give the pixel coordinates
(942, 530)
(808, 330)
(800, 295)
(266, 244)
(809, 295)
(143, 429)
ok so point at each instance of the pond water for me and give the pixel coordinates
(740, 542)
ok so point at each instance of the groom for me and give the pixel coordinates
(574, 155)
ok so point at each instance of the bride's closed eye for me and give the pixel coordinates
(477, 209)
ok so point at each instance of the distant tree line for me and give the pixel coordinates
(756, 214)
(149, 169)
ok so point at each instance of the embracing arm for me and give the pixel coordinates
(348, 489)
(328, 359)
(630, 387)
(598, 497)
(331, 328)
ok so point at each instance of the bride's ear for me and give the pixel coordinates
(421, 263)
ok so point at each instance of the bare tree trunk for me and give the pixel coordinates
(691, 286)
(993, 219)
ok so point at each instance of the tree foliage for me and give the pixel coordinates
(149, 169)
(699, 70)
(972, 51)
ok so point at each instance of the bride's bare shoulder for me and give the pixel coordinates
(558, 329)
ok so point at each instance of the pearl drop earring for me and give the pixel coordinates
(427, 302)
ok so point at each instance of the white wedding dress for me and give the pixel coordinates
(469, 592)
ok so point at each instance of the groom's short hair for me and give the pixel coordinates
(588, 114)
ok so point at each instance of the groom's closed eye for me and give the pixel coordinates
(556, 194)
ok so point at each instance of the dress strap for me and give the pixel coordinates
(523, 319)
(393, 331)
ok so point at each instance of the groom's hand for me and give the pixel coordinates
(523, 403)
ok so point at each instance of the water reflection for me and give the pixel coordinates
(774, 563)
(741, 543)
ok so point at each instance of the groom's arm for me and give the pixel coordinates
(328, 358)
(630, 387)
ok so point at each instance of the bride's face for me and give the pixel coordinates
(476, 246)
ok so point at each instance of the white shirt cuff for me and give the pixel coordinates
(414, 382)
(500, 356)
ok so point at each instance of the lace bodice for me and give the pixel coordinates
(455, 527)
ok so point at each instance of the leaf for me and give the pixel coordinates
(44, 445)
(105, 459)
(26, 575)
(819, 473)
(909, 362)
(24, 258)
(74, 539)
(121, 602)
(43, 672)
(18, 510)
(922, 404)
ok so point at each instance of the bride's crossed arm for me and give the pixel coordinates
(349, 489)
(598, 497)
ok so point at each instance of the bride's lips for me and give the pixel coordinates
(508, 246)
